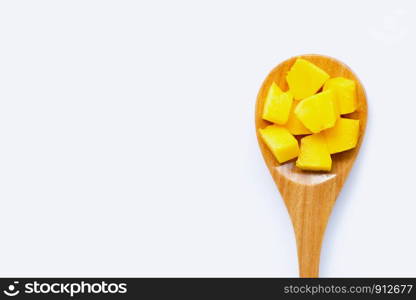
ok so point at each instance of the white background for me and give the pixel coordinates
(127, 141)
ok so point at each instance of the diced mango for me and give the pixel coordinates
(281, 142)
(345, 93)
(277, 107)
(314, 154)
(305, 79)
(317, 112)
(343, 136)
(294, 125)
(274, 90)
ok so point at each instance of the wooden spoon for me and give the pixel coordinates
(310, 196)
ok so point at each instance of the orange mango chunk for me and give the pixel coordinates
(345, 93)
(277, 105)
(294, 125)
(314, 154)
(281, 142)
(343, 136)
(305, 79)
(317, 112)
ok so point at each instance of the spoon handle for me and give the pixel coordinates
(309, 208)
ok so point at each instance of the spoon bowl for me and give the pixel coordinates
(310, 196)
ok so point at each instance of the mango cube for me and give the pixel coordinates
(270, 102)
(345, 93)
(314, 154)
(274, 90)
(277, 108)
(281, 142)
(343, 136)
(305, 79)
(294, 125)
(317, 112)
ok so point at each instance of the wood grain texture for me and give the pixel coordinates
(310, 196)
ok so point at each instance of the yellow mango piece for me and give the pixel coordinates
(281, 142)
(314, 154)
(343, 136)
(277, 108)
(345, 93)
(294, 125)
(305, 79)
(317, 112)
(273, 92)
